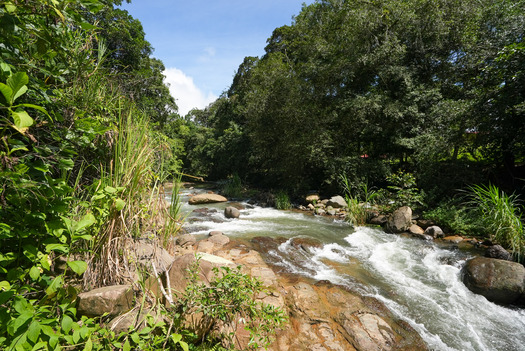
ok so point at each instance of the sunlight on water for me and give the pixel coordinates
(417, 280)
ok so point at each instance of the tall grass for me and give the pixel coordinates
(358, 198)
(282, 201)
(128, 200)
(502, 216)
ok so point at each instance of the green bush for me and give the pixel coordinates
(457, 218)
(233, 187)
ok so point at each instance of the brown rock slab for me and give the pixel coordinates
(114, 300)
(206, 199)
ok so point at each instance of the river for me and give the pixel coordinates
(419, 281)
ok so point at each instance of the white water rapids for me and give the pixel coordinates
(418, 281)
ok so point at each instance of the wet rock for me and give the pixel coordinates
(435, 232)
(497, 251)
(215, 232)
(337, 202)
(320, 212)
(304, 243)
(454, 239)
(499, 281)
(400, 220)
(378, 220)
(422, 236)
(114, 300)
(370, 332)
(206, 199)
(231, 212)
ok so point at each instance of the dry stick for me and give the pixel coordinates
(170, 300)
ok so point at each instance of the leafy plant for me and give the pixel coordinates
(502, 216)
(403, 190)
(228, 302)
(452, 215)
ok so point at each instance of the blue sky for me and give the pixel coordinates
(202, 42)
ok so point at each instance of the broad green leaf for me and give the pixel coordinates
(127, 346)
(87, 26)
(7, 92)
(17, 82)
(89, 345)
(110, 189)
(33, 332)
(184, 345)
(5, 286)
(119, 204)
(67, 324)
(57, 247)
(87, 221)
(10, 7)
(45, 262)
(18, 322)
(42, 345)
(22, 306)
(19, 93)
(55, 285)
(22, 121)
(79, 267)
(176, 338)
(34, 273)
(36, 107)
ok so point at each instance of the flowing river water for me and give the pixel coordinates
(417, 280)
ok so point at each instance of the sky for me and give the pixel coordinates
(203, 42)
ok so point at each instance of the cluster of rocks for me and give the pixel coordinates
(322, 316)
(334, 206)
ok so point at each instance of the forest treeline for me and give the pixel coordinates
(367, 88)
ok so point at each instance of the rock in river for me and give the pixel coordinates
(206, 199)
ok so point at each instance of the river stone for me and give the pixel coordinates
(312, 198)
(337, 202)
(185, 240)
(378, 220)
(499, 281)
(400, 220)
(435, 231)
(206, 199)
(454, 239)
(231, 212)
(219, 240)
(497, 251)
(415, 229)
(113, 300)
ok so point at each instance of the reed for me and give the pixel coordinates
(501, 215)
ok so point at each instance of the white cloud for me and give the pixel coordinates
(185, 92)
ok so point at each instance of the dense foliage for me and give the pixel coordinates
(367, 88)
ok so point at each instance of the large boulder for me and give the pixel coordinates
(113, 300)
(206, 199)
(399, 221)
(337, 202)
(499, 281)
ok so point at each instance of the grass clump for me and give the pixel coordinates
(233, 187)
(358, 197)
(501, 215)
(282, 200)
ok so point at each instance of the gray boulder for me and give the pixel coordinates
(499, 281)
(400, 220)
(337, 202)
(185, 240)
(231, 212)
